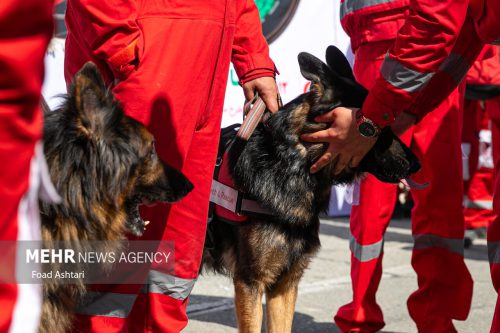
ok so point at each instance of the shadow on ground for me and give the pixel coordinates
(222, 313)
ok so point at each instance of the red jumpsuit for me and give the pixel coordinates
(433, 51)
(437, 231)
(479, 135)
(25, 30)
(171, 58)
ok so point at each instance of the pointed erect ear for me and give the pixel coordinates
(312, 68)
(318, 73)
(338, 63)
(90, 98)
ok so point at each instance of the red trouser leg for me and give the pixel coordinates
(183, 111)
(369, 221)
(23, 40)
(444, 283)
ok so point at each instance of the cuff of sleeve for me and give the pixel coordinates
(124, 61)
(378, 112)
(245, 64)
(257, 73)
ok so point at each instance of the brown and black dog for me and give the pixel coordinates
(268, 254)
(103, 165)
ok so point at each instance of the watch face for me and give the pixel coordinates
(366, 129)
(275, 16)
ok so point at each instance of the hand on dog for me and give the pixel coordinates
(267, 89)
(345, 141)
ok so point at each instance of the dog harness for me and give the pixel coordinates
(227, 203)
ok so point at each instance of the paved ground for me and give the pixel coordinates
(326, 286)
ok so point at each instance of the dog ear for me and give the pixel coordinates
(351, 94)
(91, 100)
(318, 73)
(337, 62)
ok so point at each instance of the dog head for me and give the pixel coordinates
(103, 163)
(332, 85)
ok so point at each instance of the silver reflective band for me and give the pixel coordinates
(457, 66)
(494, 252)
(402, 77)
(106, 304)
(350, 6)
(454, 245)
(496, 41)
(365, 252)
(478, 204)
(175, 287)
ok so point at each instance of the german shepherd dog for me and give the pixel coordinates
(103, 165)
(268, 254)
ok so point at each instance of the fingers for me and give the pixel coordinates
(321, 162)
(326, 118)
(320, 136)
(248, 90)
(271, 100)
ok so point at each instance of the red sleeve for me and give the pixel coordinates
(422, 45)
(250, 55)
(110, 30)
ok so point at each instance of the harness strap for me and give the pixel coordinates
(253, 111)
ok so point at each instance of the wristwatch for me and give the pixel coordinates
(366, 127)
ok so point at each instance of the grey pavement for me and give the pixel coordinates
(326, 286)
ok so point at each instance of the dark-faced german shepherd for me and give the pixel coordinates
(268, 255)
(103, 165)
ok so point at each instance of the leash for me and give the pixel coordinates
(253, 113)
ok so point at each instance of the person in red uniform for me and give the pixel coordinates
(169, 60)
(480, 141)
(434, 48)
(25, 30)
(438, 233)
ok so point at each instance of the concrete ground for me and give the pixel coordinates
(326, 286)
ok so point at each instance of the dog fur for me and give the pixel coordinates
(268, 255)
(103, 165)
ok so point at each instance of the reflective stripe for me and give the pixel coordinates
(365, 252)
(429, 241)
(457, 66)
(350, 6)
(175, 287)
(496, 41)
(494, 252)
(402, 77)
(106, 304)
(478, 204)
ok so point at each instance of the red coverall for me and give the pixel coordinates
(478, 127)
(437, 221)
(433, 51)
(25, 30)
(172, 59)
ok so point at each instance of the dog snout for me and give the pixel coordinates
(176, 185)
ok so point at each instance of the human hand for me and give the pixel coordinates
(403, 122)
(345, 142)
(267, 89)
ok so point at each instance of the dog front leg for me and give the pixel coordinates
(280, 307)
(248, 304)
